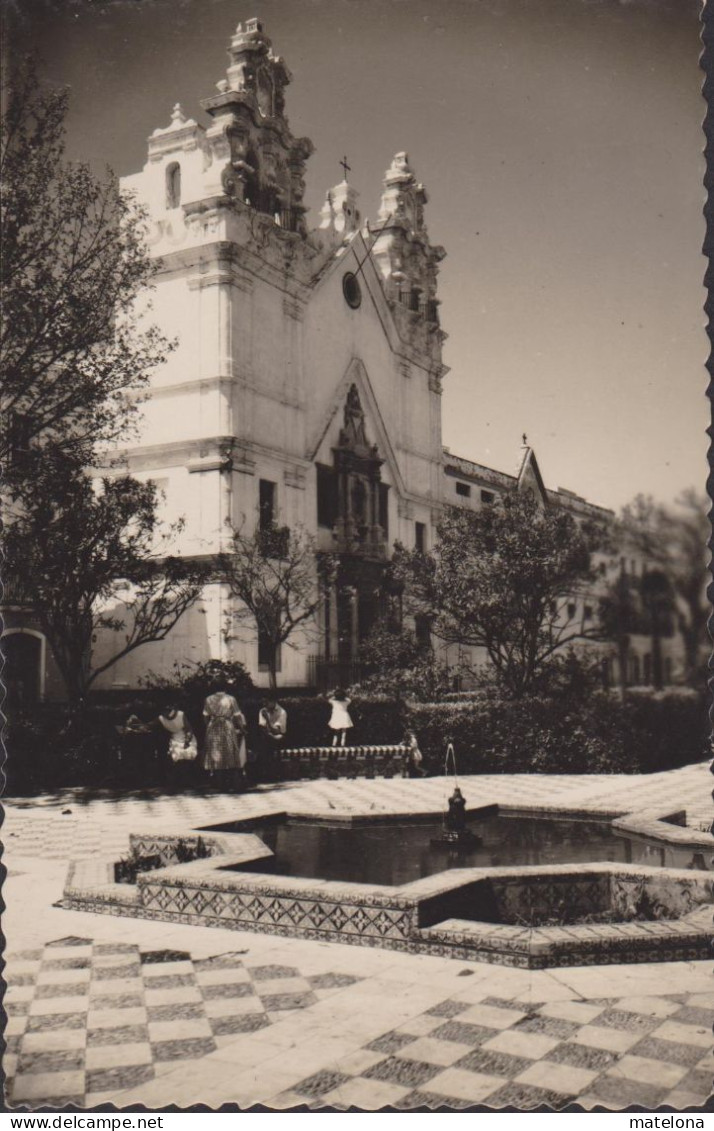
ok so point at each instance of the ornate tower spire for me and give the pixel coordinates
(406, 259)
(262, 164)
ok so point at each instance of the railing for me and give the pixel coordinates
(328, 674)
(334, 762)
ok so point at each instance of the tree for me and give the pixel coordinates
(686, 533)
(400, 667)
(89, 557)
(73, 348)
(619, 620)
(276, 576)
(506, 579)
(673, 542)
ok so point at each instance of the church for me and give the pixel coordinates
(306, 384)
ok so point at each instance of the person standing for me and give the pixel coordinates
(225, 745)
(340, 719)
(183, 748)
(273, 725)
(414, 754)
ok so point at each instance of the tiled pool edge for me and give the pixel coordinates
(202, 893)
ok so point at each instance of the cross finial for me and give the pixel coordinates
(525, 440)
(346, 168)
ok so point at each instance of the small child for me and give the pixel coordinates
(414, 753)
(340, 720)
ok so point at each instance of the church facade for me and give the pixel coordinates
(306, 383)
(305, 389)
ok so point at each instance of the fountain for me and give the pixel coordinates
(455, 832)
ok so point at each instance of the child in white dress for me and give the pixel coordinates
(340, 720)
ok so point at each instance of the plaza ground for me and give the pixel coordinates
(129, 1011)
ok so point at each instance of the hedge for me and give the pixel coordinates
(43, 755)
(646, 733)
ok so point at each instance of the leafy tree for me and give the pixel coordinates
(400, 667)
(73, 347)
(88, 554)
(673, 541)
(504, 579)
(686, 533)
(276, 576)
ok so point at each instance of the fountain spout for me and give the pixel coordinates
(455, 831)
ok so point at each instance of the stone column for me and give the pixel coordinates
(354, 624)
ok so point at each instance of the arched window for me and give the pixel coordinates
(24, 674)
(173, 185)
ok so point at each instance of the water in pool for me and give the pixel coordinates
(399, 854)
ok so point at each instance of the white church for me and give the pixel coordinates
(306, 386)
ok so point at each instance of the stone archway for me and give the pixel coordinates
(24, 672)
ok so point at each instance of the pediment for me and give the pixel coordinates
(354, 423)
(530, 478)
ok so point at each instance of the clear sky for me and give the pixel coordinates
(560, 144)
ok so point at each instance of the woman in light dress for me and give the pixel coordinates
(183, 747)
(340, 719)
(225, 751)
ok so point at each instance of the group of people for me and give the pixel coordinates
(224, 755)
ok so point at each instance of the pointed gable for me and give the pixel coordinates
(529, 477)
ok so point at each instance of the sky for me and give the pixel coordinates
(560, 144)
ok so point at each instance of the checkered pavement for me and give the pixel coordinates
(647, 1051)
(86, 1019)
(77, 823)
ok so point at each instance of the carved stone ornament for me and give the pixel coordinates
(352, 434)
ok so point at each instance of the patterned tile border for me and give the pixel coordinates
(205, 892)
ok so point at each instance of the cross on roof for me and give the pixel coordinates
(525, 440)
(346, 168)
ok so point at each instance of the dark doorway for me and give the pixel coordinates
(23, 659)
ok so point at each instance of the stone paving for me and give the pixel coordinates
(127, 1011)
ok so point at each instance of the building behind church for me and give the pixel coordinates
(306, 386)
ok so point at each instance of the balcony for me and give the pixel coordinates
(14, 591)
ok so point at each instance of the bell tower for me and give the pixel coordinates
(261, 163)
(407, 261)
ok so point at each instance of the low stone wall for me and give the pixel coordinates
(569, 894)
(436, 915)
(520, 900)
(344, 762)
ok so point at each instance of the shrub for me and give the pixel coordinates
(598, 734)
(398, 667)
(46, 750)
(191, 683)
